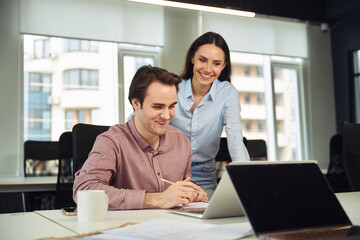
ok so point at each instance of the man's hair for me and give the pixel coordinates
(207, 38)
(145, 75)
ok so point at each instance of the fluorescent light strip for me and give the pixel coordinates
(197, 7)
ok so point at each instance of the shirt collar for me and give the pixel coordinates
(210, 95)
(141, 141)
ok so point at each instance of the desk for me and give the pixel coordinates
(68, 225)
(27, 184)
(30, 225)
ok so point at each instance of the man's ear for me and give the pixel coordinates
(135, 103)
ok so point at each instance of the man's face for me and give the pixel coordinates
(157, 110)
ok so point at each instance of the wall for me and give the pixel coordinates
(10, 90)
(345, 37)
(319, 96)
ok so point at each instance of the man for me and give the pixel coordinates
(128, 160)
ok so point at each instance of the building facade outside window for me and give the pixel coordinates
(81, 79)
(42, 48)
(76, 45)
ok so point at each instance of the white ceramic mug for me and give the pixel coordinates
(91, 205)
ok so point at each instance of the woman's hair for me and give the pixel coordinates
(145, 75)
(207, 38)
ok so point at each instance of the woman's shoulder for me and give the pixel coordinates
(226, 87)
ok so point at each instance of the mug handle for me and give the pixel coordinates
(106, 204)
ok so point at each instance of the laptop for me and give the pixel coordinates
(290, 201)
(224, 202)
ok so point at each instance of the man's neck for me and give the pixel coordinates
(152, 139)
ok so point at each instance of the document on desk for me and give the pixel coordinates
(164, 229)
(195, 205)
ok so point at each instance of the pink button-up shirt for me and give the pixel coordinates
(124, 165)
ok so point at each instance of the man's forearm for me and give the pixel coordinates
(152, 200)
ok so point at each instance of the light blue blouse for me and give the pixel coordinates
(220, 106)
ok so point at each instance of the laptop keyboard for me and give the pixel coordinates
(317, 234)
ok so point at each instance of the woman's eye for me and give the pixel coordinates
(202, 60)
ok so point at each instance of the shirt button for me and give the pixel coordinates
(158, 174)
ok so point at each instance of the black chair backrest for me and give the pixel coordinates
(63, 197)
(336, 175)
(351, 153)
(223, 153)
(257, 149)
(40, 150)
(84, 136)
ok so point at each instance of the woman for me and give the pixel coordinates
(206, 102)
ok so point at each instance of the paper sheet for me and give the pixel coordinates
(164, 229)
(195, 205)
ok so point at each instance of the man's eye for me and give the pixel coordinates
(157, 107)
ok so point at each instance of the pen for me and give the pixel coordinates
(170, 182)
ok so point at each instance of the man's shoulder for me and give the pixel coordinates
(118, 131)
(175, 132)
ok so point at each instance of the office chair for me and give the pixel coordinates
(37, 154)
(336, 175)
(351, 153)
(222, 158)
(257, 149)
(64, 185)
(84, 136)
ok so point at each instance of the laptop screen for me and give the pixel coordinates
(279, 197)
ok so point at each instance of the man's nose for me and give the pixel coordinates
(165, 114)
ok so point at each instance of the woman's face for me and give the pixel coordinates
(209, 61)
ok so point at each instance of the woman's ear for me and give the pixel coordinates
(135, 103)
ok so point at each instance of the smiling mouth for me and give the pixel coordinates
(205, 76)
(161, 123)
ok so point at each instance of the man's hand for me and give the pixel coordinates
(181, 192)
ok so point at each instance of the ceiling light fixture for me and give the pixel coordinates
(197, 7)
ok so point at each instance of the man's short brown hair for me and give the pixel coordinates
(145, 75)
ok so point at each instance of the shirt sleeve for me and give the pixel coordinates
(97, 173)
(233, 128)
(189, 160)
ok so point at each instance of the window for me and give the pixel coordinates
(76, 45)
(42, 48)
(37, 112)
(260, 71)
(132, 58)
(69, 88)
(260, 98)
(74, 116)
(81, 79)
(246, 70)
(247, 125)
(261, 125)
(356, 84)
(247, 97)
(270, 102)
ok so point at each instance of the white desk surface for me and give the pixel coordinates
(117, 218)
(29, 225)
(41, 224)
(27, 184)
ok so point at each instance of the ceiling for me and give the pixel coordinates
(318, 11)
